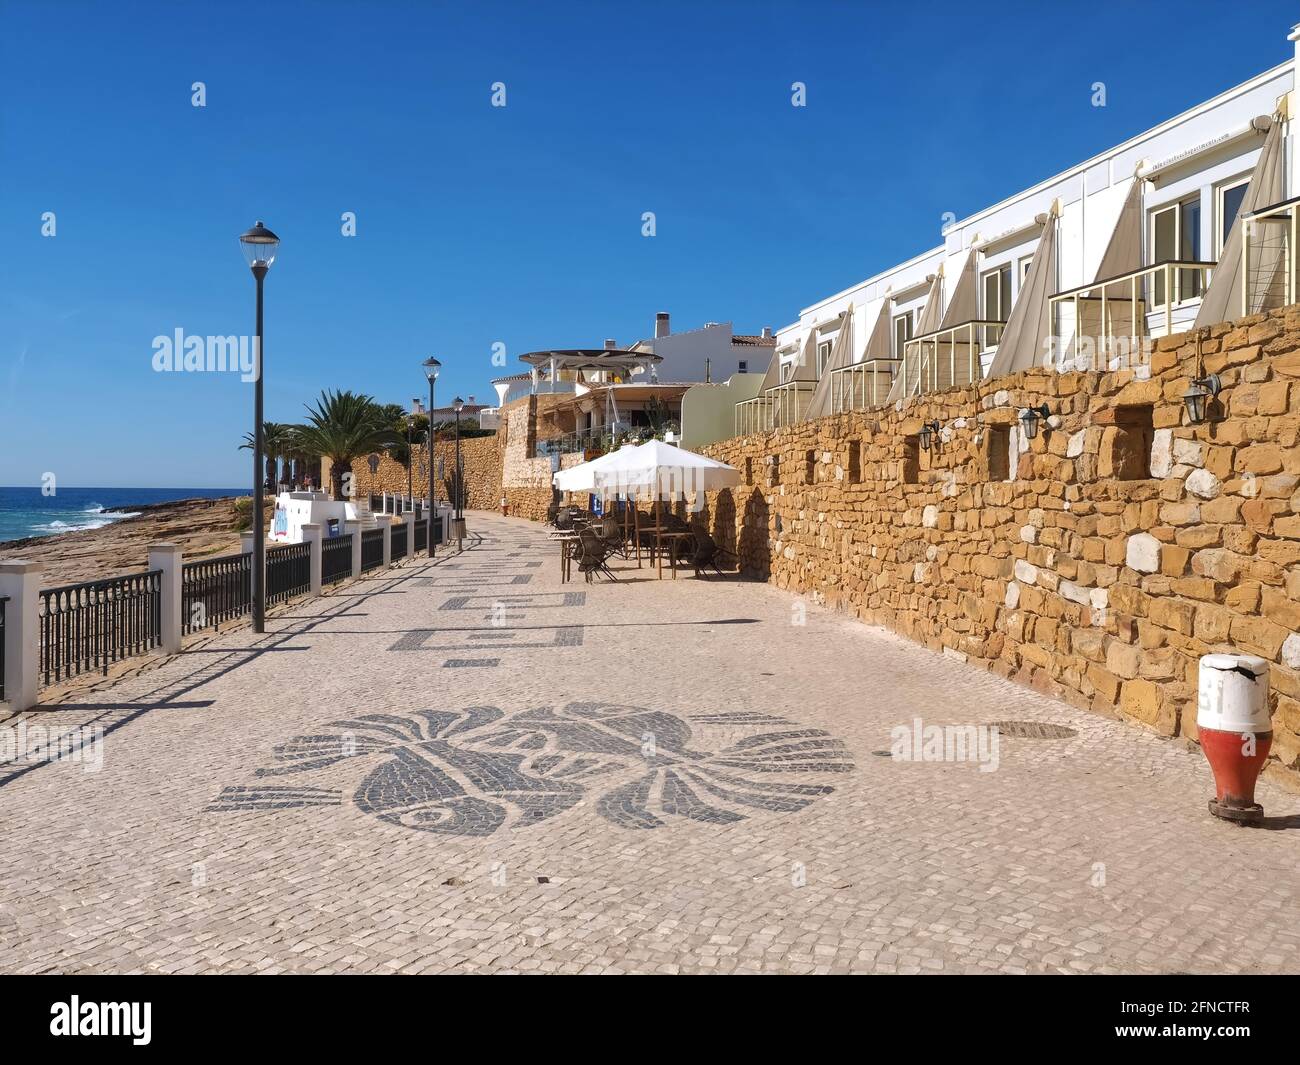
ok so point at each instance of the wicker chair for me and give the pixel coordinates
(707, 552)
(593, 555)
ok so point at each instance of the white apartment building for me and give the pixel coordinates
(1144, 239)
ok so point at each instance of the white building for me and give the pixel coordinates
(713, 352)
(1074, 269)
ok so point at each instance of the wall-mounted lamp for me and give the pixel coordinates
(1198, 395)
(928, 430)
(1031, 416)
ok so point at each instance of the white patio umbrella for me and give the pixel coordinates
(582, 477)
(662, 471)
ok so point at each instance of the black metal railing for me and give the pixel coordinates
(421, 535)
(336, 559)
(376, 502)
(214, 590)
(398, 546)
(288, 572)
(3, 600)
(92, 625)
(372, 549)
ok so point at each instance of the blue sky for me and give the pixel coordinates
(519, 225)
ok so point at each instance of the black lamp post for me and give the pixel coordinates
(431, 368)
(259, 246)
(459, 521)
(410, 455)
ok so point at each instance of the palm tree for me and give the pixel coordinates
(278, 441)
(343, 426)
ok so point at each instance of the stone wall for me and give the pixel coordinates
(525, 477)
(1097, 561)
(480, 456)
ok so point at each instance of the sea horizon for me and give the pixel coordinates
(27, 510)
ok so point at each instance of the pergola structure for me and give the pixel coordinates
(590, 366)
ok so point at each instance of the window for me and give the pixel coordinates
(996, 288)
(1230, 198)
(998, 450)
(1024, 265)
(787, 371)
(997, 293)
(1175, 235)
(911, 460)
(855, 462)
(744, 366)
(902, 333)
(823, 356)
(1130, 444)
(809, 467)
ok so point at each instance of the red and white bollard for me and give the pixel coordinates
(505, 507)
(1235, 731)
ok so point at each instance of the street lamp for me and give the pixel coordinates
(431, 368)
(259, 246)
(458, 523)
(410, 455)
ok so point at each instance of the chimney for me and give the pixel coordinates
(767, 332)
(610, 345)
(661, 324)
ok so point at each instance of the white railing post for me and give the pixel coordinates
(168, 558)
(387, 528)
(311, 534)
(353, 529)
(21, 583)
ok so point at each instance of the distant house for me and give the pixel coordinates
(635, 391)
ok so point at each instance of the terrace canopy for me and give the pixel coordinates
(931, 313)
(1266, 188)
(1029, 324)
(841, 355)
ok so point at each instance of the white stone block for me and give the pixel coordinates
(1204, 484)
(1162, 455)
(1143, 553)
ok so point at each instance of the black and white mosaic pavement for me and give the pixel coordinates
(474, 771)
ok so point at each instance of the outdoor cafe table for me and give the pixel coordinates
(567, 542)
(665, 537)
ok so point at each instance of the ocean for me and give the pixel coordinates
(26, 512)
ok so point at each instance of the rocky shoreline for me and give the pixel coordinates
(202, 528)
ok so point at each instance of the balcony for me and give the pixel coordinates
(1107, 323)
(1269, 251)
(777, 406)
(948, 357)
(863, 385)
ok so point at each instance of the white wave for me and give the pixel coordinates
(85, 525)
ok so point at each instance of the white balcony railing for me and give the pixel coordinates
(777, 406)
(1270, 244)
(863, 385)
(1106, 324)
(948, 357)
